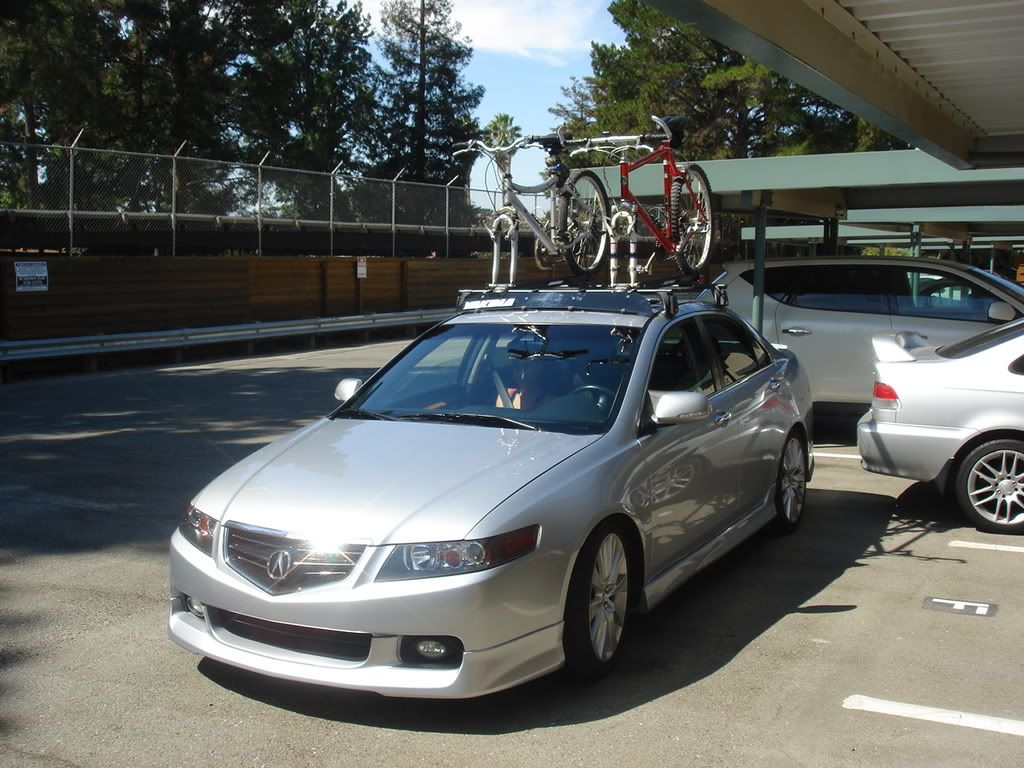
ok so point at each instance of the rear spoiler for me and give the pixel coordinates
(897, 347)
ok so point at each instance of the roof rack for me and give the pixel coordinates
(571, 294)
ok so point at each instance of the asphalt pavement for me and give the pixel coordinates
(884, 632)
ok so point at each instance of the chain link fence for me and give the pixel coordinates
(56, 189)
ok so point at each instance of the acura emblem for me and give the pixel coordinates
(279, 564)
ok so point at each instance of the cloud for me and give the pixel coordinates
(547, 30)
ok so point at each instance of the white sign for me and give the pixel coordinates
(31, 276)
(361, 267)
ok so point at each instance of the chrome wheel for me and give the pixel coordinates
(793, 480)
(995, 487)
(791, 485)
(609, 592)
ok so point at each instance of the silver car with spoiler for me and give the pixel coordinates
(953, 415)
(495, 502)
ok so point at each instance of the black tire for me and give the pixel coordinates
(586, 231)
(990, 486)
(691, 219)
(593, 634)
(790, 485)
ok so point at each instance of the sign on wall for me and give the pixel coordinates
(31, 276)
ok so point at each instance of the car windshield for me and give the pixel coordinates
(998, 281)
(557, 377)
(982, 341)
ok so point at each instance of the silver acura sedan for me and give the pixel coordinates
(495, 502)
(954, 416)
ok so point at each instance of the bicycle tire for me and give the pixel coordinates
(586, 229)
(691, 217)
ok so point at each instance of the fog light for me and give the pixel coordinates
(195, 607)
(441, 652)
(431, 649)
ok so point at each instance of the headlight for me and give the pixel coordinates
(445, 558)
(199, 529)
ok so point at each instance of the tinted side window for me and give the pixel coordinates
(842, 288)
(779, 282)
(681, 362)
(925, 293)
(739, 353)
(837, 287)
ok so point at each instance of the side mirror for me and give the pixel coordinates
(681, 407)
(1001, 312)
(346, 388)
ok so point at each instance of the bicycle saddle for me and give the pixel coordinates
(674, 125)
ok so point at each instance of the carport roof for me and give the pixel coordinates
(897, 187)
(943, 75)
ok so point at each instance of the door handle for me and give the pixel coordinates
(797, 331)
(722, 418)
(775, 382)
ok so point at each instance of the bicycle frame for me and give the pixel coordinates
(666, 238)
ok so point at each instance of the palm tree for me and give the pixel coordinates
(500, 132)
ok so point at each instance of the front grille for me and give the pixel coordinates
(329, 643)
(277, 563)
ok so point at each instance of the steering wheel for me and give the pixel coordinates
(602, 396)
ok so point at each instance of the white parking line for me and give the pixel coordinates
(979, 545)
(824, 455)
(946, 716)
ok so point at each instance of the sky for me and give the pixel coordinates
(524, 53)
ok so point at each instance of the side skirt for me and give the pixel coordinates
(665, 582)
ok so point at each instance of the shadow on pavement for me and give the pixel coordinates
(95, 462)
(690, 636)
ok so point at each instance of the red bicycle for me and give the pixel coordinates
(681, 227)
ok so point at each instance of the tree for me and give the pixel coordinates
(500, 132)
(427, 105)
(734, 107)
(306, 85)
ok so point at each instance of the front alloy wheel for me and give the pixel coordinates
(597, 605)
(990, 486)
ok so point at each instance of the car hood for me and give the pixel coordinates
(383, 482)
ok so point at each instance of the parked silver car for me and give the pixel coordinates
(453, 530)
(827, 309)
(954, 416)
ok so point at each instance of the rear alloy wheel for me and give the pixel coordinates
(597, 606)
(990, 486)
(791, 485)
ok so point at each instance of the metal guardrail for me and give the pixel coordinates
(84, 346)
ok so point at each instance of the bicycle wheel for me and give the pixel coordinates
(691, 212)
(585, 226)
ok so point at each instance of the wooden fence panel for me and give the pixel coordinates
(284, 288)
(89, 296)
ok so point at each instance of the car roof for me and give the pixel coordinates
(899, 261)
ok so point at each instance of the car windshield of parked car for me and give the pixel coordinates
(1000, 282)
(983, 341)
(556, 377)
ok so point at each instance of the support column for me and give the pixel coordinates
(760, 238)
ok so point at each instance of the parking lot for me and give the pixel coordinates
(879, 634)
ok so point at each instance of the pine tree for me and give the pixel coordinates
(734, 107)
(427, 105)
(306, 85)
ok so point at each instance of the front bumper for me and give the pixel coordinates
(507, 619)
(912, 451)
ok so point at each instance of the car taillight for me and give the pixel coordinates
(884, 396)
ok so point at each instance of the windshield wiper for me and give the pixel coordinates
(357, 413)
(485, 419)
